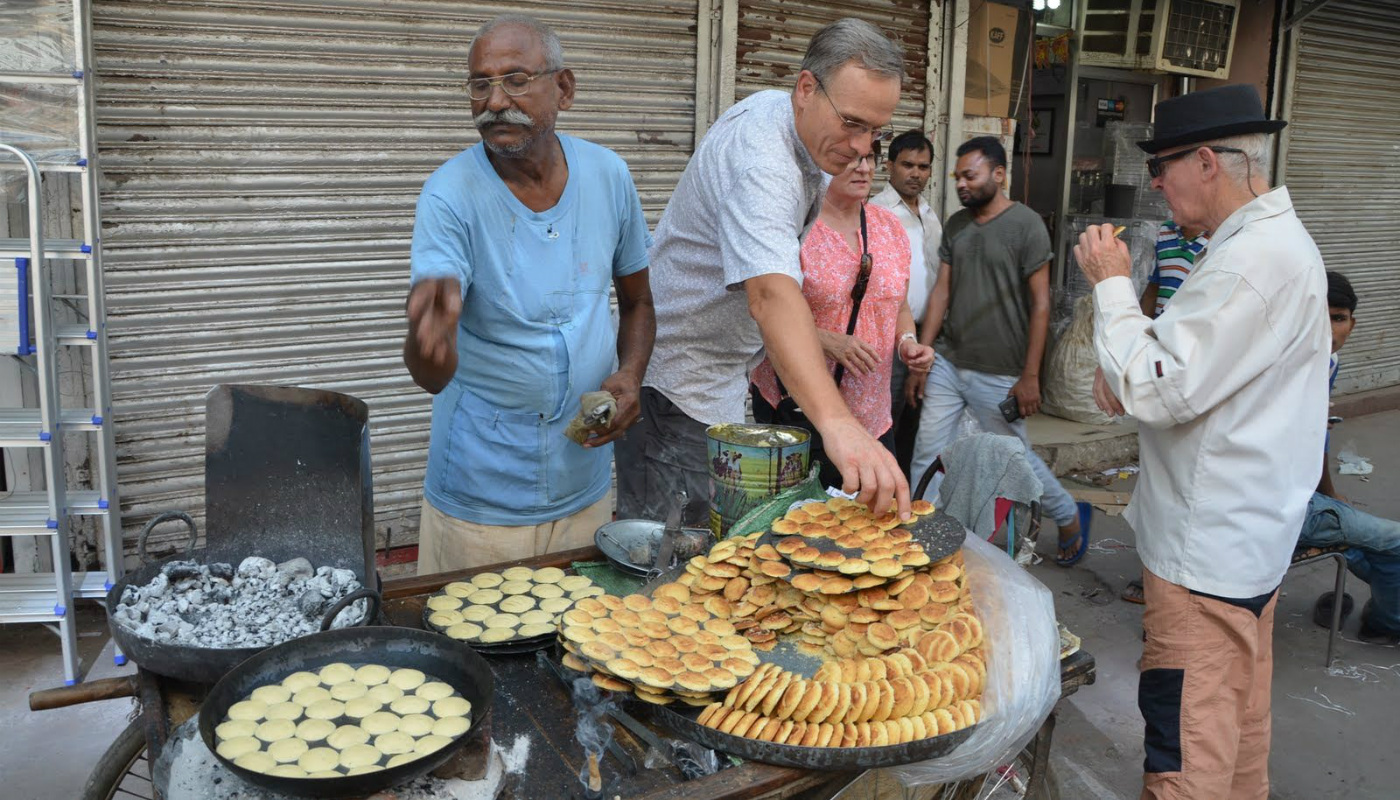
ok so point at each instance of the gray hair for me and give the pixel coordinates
(847, 40)
(549, 40)
(1256, 160)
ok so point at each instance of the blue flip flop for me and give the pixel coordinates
(1086, 513)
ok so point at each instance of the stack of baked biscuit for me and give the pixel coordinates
(661, 648)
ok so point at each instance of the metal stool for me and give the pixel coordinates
(1300, 558)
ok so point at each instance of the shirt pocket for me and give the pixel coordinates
(571, 470)
(493, 457)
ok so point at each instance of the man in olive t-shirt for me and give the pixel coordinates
(991, 303)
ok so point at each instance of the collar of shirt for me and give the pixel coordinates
(889, 198)
(1270, 204)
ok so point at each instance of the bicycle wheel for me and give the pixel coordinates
(123, 772)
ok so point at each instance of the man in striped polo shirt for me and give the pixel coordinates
(1176, 255)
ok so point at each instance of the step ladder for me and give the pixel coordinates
(30, 331)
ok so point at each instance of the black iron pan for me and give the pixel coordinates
(823, 758)
(182, 662)
(446, 660)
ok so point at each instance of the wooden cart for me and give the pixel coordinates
(530, 701)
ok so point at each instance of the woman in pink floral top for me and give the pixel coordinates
(831, 263)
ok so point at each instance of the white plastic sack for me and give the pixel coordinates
(1069, 374)
(1023, 668)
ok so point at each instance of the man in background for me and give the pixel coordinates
(910, 164)
(991, 304)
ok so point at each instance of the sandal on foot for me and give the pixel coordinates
(1080, 541)
(1133, 593)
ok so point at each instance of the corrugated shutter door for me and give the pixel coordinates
(1343, 169)
(261, 162)
(773, 35)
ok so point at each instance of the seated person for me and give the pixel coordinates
(1374, 543)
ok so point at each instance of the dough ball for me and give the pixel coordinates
(300, 680)
(547, 591)
(452, 707)
(417, 724)
(478, 614)
(407, 679)
(319, 759)
(287, 771)
(444, 619)
(402, 758)
(458, 589)
(410, 704)
(348, 691)
(517, 604)
(380, 722)
(275, 730)
(515, 587)
(385, 692)
(485, 597)
(548, 575)
(315, 730)
(444, 602)
(464, 631)
(235, 729)
(326, 709)
(363, 770)
(394, 743)
(556, 605)
(495, 635)
(343, 737)
(311, 695)
(359, 755)
(288, 710)
(238, 746)
(499, 621)
(256, 761)
(537, 629)
(362, 707)
(572, 583)
(430, 744)
(487, 580)
(254, 710)
(435, 690)
(331, 674)
(372, 674)
(287, 750)
(451, 727)
(518, 574)
(272, 694)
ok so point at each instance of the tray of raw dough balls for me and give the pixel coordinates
(512, 611)
(347, 712)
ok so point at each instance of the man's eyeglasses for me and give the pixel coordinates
(514, 84)
(852, 127)
(1156, 163)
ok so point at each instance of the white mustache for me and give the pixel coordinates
(510, 116)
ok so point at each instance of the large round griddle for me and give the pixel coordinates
(825, 758)
(443, 658)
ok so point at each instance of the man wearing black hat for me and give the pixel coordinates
(1229, 386)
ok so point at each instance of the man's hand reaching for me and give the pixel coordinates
(430, 350)
(625, 387)
(868, 470)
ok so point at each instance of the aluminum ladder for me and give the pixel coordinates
(48, 597)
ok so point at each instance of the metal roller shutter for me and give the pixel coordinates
(1342, 167)
(261, 161)
(773, 35)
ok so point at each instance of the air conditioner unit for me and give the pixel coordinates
(1186, 37)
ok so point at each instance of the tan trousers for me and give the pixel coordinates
(446, 543)
(1206, 674)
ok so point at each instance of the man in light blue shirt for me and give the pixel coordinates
(515, 246)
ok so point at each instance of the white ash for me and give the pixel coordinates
(259, 604)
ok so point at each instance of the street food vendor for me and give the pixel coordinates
(515, 245)
(729, 277)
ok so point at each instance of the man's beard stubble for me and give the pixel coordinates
(510, 116)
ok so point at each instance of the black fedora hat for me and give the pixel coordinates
(1232, 110)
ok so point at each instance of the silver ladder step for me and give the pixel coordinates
(27, 513)
(53, 248)
(24, 427)
(75, 334)
(72, 78)
(93, 584)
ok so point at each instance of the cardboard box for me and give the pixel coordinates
(991, 47)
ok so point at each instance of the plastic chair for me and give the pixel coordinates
(1005, 509)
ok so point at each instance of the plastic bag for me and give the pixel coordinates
(1069, 375)
(762, 517)
(1023, 669)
